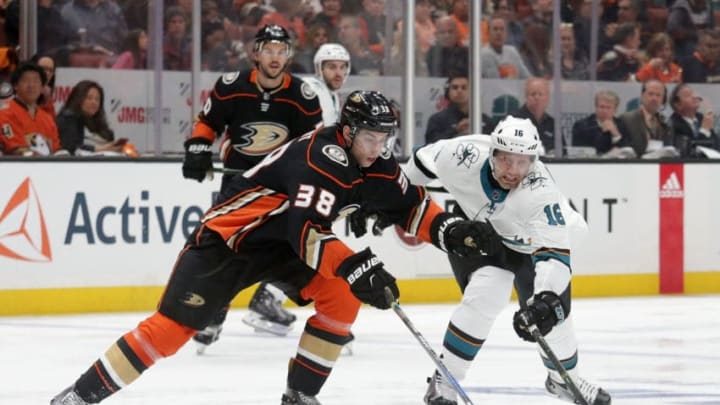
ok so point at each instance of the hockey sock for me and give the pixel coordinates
(154, 338)
(563, 343)
(315, 358)
(459, 350)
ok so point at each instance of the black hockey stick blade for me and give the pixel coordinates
(395, 304)
(535, 332)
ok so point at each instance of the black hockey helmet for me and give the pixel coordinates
(368, 110)
(272, 33)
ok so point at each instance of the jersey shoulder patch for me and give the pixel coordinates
(229, 78)
(307, 91)
(336, 154)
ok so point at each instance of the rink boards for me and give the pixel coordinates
(103, 236)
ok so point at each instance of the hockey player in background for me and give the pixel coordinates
(274, 223)
(498, 178)
(332, 66)
(255, 112)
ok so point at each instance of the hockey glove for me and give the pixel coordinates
(198, 158)
(461, 237)
(358, 222)
(544, 310)
(368, 279)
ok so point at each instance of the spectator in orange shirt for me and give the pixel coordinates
(25, 129)
(461, 15)
(660, 66)
(288, 15)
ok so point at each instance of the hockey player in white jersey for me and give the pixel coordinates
(498, 178)
(332, 67)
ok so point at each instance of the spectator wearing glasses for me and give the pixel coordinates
(691, 124)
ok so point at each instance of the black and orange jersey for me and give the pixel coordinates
(20, 131)
(254, 121)
(297, 192)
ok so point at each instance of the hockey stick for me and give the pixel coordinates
(535, 332)
(225, 170)
(425, 345)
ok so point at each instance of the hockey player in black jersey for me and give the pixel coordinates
(255, 112)
(274, 223)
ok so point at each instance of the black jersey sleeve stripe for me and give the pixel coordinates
(422, 168)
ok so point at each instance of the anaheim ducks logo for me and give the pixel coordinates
(261, 138)
(194, 300)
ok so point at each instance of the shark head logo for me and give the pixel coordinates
(23, 234)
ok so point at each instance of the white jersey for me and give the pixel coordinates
(533, 218)
(329, 100)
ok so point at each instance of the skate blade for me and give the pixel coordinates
(267, 326)
(200, 350)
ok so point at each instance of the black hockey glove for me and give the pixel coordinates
(358, 222)
(544, 310)
(368, 279)
(198, 159)
(461, 237)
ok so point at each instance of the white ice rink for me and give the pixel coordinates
(658, 350)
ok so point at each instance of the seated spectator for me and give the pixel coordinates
(98, 23)
(541, 13)
(602, 129)
(690, 126)
(514, 29)
(460, 13)
(135, 51)
(702, 66)
(500, 60)
(54, 33)
(317, 34)
(626, 12)
(364, 62)
(537, 99)
(26, 129)
(686, 19)
(660, 66)
(574, 63)
(535, 50)
(288, 14)
(447, 55)
(48, 99)
(648, 130)
(372, 24)
(454, 121)
(424, 26)
(176, 43)
(329, 16)
(621, 63)
(82, 122)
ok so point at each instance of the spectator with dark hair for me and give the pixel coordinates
(364, 62)
(537, 99)
(176, 44)
(54, 32)
(317, 35)
(47, 63)
(447, 55)
(621, 63)
(686, 18)
(702, 66)
(661, 65)
(329, 15)
(535, 50)
(499, 59)
(460, 13)
(372, 24)
(602, 129)
(454, 121)
(99, 22)
(648, 130)
(82, 123)
(424, 26)
(135, 54)
(690, 126)
(27, 129)
(505, 10)
(574, 63)
(289, 15)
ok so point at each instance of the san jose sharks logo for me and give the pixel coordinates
(466, 154)
(534, 180)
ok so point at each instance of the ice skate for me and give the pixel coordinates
(267, 315)
(592, 393)
(439, 391)
(292, 397)
(68, 397)
(206, 337)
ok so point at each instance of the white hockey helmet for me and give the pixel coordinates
(515, 135)
(330, 51)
